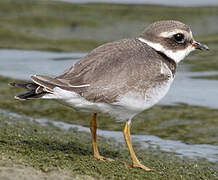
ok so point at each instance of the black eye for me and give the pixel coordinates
(179, 38)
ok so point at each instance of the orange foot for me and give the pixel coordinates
(138, 165)
(102, 158)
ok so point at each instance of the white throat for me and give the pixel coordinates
(177, 56)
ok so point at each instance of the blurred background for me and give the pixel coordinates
(48, 36)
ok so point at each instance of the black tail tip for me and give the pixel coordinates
(12, 84)
(19, 98)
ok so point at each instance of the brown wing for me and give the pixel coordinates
(115, 69)
(107, 72)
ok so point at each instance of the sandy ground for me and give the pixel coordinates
(9, 171)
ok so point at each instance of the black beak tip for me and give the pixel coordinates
(204, 47)
(207, 48)
(200, 46)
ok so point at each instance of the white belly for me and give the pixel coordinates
(133, 103)
(127, 107)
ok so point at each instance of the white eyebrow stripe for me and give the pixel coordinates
(84, 85)
(171, 33)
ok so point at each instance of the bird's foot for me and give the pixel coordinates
(138, 165)
(102, 158)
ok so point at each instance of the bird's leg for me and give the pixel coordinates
(135, 161)
(93, 128)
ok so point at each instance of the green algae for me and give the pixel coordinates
(48, 148)
(210, 77)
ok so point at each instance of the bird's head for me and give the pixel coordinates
(173, 38)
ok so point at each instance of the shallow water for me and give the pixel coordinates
(181, 149)
(20, 64)
(165, 2)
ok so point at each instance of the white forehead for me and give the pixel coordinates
(167, 34)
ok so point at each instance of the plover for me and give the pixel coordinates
(121, 78)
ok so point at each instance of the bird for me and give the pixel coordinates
(120, 78)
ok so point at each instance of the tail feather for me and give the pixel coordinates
(43, 83)
(47, 79)
(40, 86)
(24, 85)
(31, 94)
(37, 89)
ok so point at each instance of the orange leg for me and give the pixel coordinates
(135, 161)
(93, 128)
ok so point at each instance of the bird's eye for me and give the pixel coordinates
(179, 38)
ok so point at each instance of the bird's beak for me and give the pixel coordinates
(200, 46)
